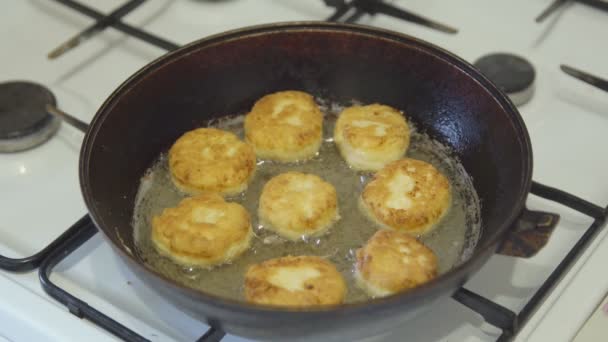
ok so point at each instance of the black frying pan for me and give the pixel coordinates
(224, 74)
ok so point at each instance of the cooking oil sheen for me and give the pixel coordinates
(453, 240)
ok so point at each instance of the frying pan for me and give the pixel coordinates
(224, 74)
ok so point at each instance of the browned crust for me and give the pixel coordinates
(294, 212)
(268, 127)
(209, 159)
(365, 138)
(430, 196)
(184, 234)
(326, 289)
(393, 261)
(369, 137)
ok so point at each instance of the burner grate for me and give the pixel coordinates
(510, 322)
(81, 232)
(599, 4)
(602, 5)
(373, 7)
(113, 20)
(95, 28)
(31, 262)
(347, 12)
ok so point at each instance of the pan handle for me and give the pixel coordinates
(528, 234)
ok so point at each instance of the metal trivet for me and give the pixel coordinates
(510, 322)
(31, 262)
(113, 20)
(103, 21)
(83, 230)
(353, 10)
(601, 5)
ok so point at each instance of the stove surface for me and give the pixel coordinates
(40, 196)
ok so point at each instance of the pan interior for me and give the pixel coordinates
(453, 240)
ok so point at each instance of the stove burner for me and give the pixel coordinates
(511, 74)
(24, 121)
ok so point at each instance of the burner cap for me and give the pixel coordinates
(510, 73)
(24, 121)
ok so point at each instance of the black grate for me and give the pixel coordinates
(353, 10)
(556, 5)
(509, 322)
(82, 231)
(113, 21)
(598, 4)
(95, 28)
(31, 262)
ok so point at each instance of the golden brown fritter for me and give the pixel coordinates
(407, 195)
(209, 159)
(285, 126)
(295, 281)
(296, 204)
(202, 231)
(369, 137)
(393, 262)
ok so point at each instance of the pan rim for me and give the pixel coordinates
(454, 276)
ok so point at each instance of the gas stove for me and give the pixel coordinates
(40, 198)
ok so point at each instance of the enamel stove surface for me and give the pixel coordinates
(40, 195)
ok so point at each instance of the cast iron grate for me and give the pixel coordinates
(554, 6)
(102, 21)
(510, 322)
(113, 20)
(83, 230)
(31, 262)
(353, 10)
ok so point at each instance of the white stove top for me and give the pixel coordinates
(40, 195)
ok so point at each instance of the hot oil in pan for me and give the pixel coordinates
(453, 240)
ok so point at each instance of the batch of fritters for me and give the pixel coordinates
(405, 199)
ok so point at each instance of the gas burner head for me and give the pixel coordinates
(510, 73)
(24, 121)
